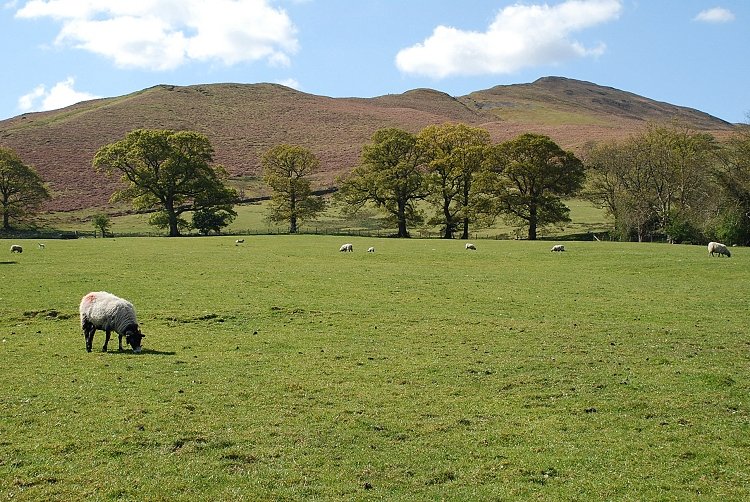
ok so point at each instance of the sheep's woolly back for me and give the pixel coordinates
(107, 312)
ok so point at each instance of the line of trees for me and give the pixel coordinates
(674, 183)
(667, 181)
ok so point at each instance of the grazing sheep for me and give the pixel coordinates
(239, 241)
(105, 311)
(719, 249)
(371, 250)
(347, 247)
(558, 248)
(41, 245)
(15, 248)
(469, 245)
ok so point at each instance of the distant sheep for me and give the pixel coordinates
(347, 247)
(107, 312)
(15, 248)
(719, 249)
(469, 245)
(41, 245)
(371, 250)
(557, 248)
(239, 241)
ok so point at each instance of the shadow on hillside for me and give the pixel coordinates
(8, 262)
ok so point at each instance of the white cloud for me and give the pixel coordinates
(290, 82)
(165, 34)
(520, 36)
(715, 15)
(61, 94)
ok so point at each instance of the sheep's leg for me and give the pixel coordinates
(120, 340)
(106, 341)
(88, 334)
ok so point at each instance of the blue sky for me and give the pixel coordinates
(686, 52)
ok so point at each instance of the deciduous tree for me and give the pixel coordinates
(286, 170)
(531, 175)
(21, 189)
(171, 172)
(389, 176)
(454, 154)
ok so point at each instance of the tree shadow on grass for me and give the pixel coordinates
(8, 262)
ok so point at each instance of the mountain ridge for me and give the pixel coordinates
(243, 120)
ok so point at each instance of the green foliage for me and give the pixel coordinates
(22, 191)
(561, 379)
(211, 220)
(656, 182)
(529, 177)
(101, 222)
(454, 154)
(167, 171)
(286, 170)
(388, 176)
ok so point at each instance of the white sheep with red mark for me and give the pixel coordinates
(107, 312)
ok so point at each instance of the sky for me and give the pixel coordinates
(686, 52)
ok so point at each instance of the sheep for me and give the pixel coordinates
(469, 245)
(239, 241)
(558, 248)
(41, 245)
(107, 312)
(719, 249)
(15, 248)
(371, 249)
(346, 247)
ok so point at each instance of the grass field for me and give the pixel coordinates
(282, 369)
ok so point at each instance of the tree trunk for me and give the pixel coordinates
(293, 225)
(465, 234)
(6, 222)
(449, 225)
(402, 231)
(532, 222)
(174, 231)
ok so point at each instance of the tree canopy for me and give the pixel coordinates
(171, 172)
(286, 170)
(21, 188)
(389, 176)
(454, 154)
(529, 177)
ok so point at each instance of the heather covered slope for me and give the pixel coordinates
(244, 120)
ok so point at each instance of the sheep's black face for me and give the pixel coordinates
(134, 340)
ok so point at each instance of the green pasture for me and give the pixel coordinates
(281, 369)
(252, 219)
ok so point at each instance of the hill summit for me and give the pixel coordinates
(242, 121)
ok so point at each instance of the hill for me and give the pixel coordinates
(243, 120)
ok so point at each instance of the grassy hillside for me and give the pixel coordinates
(285, 370)
(242, 121)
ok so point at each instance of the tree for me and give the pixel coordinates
(167, 171)
(286, 169)
(22, 190)
(102, 223)
(388, 176)
(208, 220)
(531, 175)
(454, 153)
(656, 181)
(733, 177)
